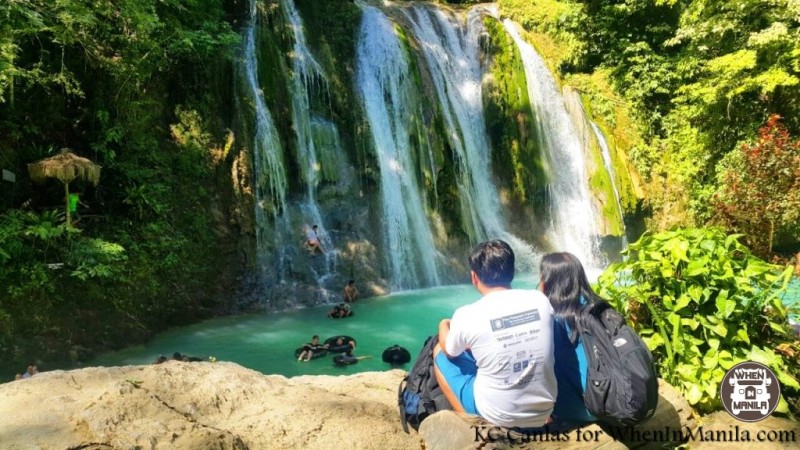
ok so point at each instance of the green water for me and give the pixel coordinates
(267, 342)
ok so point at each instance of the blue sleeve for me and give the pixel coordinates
(570, 368)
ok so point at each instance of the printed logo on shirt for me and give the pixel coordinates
(514, 320)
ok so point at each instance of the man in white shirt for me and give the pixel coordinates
(495, 356)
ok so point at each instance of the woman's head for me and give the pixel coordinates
(563, 280)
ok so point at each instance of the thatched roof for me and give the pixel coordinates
(66, 166)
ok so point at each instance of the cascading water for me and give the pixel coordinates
(334, 166)
(451, 51)
(606, 153)
(572, 210)
(447, 47)
(307, 73)
(384, 84)
(270, 176)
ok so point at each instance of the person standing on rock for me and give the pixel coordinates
(495, 356)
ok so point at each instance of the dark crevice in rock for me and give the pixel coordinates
(90, 445)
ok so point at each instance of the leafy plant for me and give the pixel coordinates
(95, 258)
(703, 303)
(145, 198)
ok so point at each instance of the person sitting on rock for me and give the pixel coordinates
(350, 292)
(563, 280)
(483, 365)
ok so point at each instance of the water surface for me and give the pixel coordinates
(266, 342)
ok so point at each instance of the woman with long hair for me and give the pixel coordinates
(563, 280)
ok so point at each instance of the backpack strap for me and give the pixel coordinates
(401, 403)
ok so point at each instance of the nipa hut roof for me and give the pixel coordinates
(66, 166)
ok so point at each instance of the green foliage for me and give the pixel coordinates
(703, 303)
(143, 89)
(95, 258)
(702, 76)
(558, 19)
(128, 39)
(760, 190)
(509, 120)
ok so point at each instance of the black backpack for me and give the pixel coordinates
(621, 383)
(419, 394)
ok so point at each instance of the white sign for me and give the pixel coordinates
(9, 176)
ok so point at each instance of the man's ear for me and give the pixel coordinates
(474, 277)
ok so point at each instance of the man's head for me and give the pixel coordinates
(340, 341)
(492, 262)
(314, 228)
(315, 339)
(351, 283)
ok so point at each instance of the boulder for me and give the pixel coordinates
(201, 405)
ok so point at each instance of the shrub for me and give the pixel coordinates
(703, 303)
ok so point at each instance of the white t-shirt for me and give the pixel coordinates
(510, 333)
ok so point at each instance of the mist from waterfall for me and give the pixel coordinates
(269, 172)
(385, 86)
(572, 212)
(451, 50)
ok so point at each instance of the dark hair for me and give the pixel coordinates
(565, 282)
(315, 337)
(351, 281)
(314, 227)
(493, 263)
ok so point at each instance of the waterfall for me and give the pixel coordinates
(573, 219)
(606, 154)
(269, 173)
(451, 52)
(307, 75)
(384, 84)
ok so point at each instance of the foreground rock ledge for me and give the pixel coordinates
(201, 406)
(447, 430)
(179, 405)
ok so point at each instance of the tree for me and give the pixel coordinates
(760, 191)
